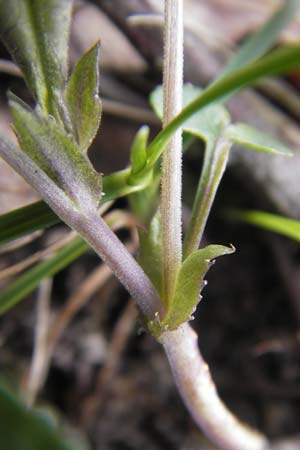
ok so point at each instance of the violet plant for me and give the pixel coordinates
(54, 137)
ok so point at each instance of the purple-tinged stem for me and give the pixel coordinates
(198, 391)
(91, 227)
(102, 239)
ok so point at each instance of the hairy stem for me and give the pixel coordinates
(91, 227)
(215, 160)
(278, 61)
(199, 394)
(100, 237)
(172, 156)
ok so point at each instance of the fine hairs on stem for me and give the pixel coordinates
(172, 156)
(74, 197)
(191, 373)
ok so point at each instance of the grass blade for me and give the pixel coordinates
(263, 40)
(116, 184)
(279, 61)
(271, 222)
(27, 282)
(25, 220)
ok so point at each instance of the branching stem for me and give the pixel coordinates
(91, 227)
(189, 369)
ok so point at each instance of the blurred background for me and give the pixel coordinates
(102, 375)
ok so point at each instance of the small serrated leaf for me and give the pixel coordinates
(82, 98)
(36, 34)
(248, 136)
(189, 283)
(56, 154)
(150, 257)
(206, 124)
(138, 154)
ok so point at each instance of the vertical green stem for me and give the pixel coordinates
(172, 157)
(215, 160)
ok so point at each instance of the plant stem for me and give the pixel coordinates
(215, 160)
(91, 227)
(172, 156)
(278, 61)
(194, 382)
(95, 231)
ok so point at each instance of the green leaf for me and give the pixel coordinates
(36, 34)
(26, 283)
(189, 283)
(138, 154)
(241, 71)
(206, 124)
(213, 167)
(247, 136)
(279, 61)
(17, 290)
(21, 428)
(271, 222)
(150, 256)
(115, 185)
(82, 99)
(144, 203)
(38, 215)
(55, 153)
(263, 40)
(22, 221)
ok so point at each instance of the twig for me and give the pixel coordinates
(172, 156)
(10, 68)
(149, 20)
(42, 254)
(60, 322)
(77, 300)
(136, 113)
(118, 342)
(19, 242)
(283, 93)
(48, 332)
(37, 256)
(39, 365)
